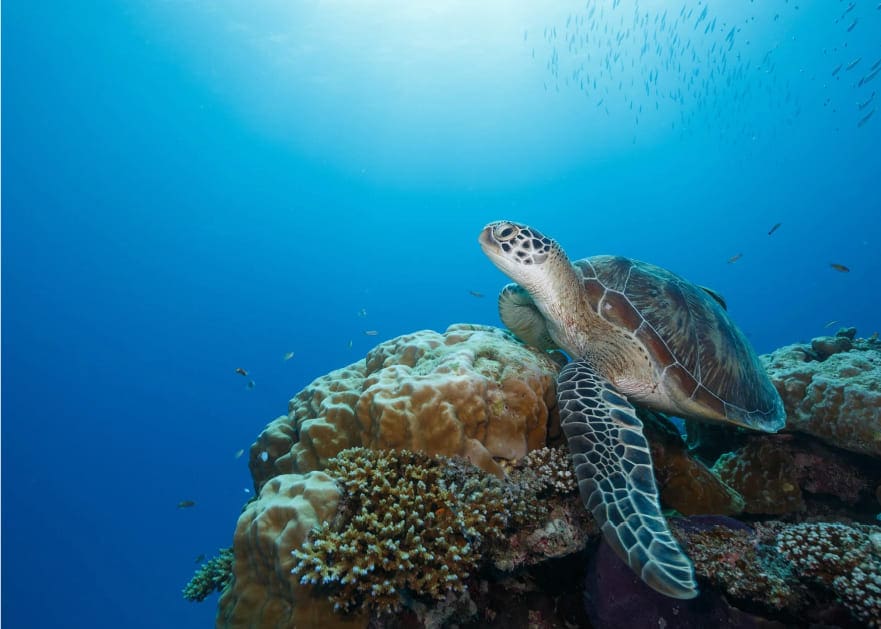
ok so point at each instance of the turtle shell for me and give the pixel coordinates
(700, 357)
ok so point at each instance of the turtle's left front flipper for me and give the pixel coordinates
(614, 470)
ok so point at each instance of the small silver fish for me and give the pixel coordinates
(371, 332)
(865, 118)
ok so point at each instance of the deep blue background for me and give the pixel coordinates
(192, 187)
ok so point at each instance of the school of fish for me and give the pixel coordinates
(694, 70)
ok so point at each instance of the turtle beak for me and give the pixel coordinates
(487, 242)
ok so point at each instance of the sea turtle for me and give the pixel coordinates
(636, 334)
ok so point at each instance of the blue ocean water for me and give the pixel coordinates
(190, 187)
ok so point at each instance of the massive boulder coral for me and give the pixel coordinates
(472, 391)
(263, 594)
(832, 390)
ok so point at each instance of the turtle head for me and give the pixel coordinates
(522, 253)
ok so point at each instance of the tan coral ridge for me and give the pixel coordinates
(832, 390)
(472, 391)
(263, 594)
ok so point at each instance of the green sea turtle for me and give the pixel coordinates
(636, 334)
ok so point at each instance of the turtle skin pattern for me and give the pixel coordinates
(614, 470)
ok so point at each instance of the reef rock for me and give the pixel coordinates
(473, 391)
(774, 472)
(834, 396)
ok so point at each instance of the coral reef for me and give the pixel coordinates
(416, 488)
(616, 597)
(412, 527)
(262, 593)
(739, 560)
(685, 484)
(472, 391)
(212, 576)
(773, 472)
(833, 396)
(843, 558)
(551, 469)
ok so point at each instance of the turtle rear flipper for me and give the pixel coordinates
(614, 471)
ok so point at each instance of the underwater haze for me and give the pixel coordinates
(191, 187)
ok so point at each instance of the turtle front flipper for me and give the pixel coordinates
(613, 466)
(520, 314)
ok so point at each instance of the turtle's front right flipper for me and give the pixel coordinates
(614, 470)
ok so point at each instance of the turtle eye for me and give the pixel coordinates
(505, 232)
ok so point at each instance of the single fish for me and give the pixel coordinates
(735, 258)
(371, 332)
(839, 267)
(865, 118)
(852, 25)
(866, 102)
(241, 371)
(186, 504)
(251, 384)
(239, 453)
(288, 356)
(349, 346)
(362, 313)
(837, 69)
(831, 323)
(871, 75)
(853, 64)
(775, 228)
(199, 558)
(876, 64)
(475, 293)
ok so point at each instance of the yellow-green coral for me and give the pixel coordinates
(412, 525)
(212, 575)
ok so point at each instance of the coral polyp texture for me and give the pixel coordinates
(262, 593)
(472, 391)
(832, 390)
(844, 558)
(412, 526)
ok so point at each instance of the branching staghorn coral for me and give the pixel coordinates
(213, 575)
(410, 526)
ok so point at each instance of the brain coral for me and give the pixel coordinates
(263, 594)
(472, 391)
(837, 399)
